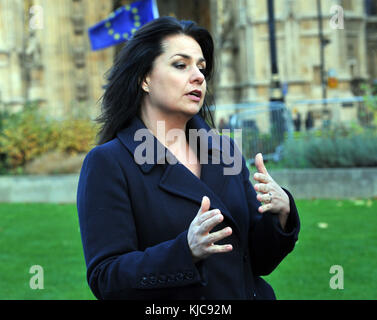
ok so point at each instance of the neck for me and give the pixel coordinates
(169, 129)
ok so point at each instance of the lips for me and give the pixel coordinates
(195, 95)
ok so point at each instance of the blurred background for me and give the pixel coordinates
(298, 76)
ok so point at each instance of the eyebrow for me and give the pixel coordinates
(185, 56)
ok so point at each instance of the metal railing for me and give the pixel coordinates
(265, 126)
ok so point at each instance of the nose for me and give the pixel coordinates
(197, 76)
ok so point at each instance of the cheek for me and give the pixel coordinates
(168, 84)
(164, 94)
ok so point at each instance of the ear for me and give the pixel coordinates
(145, 84)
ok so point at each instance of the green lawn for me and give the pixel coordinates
(333, 232)
(47, 235)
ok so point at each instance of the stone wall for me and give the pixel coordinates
(350, 183)
(329, 183)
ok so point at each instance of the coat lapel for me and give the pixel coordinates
(179, 180)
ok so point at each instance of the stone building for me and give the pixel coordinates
(241, 29)
(46, 57)
(45, 54)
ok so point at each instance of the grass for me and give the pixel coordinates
(333, 232)
(47, 235)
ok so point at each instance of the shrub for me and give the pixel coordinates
(339, 147)
(25, 135)
(76, 136)
(29, 134)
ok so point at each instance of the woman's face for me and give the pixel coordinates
(176, 83)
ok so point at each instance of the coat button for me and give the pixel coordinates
(144, 281)
(171, 277)
(179, 276)
(152, 280)
(162, 279)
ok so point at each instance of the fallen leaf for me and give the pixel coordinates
(322, 225)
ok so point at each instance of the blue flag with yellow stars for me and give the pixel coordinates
(122, 24)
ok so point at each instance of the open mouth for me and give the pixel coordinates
(195, 95)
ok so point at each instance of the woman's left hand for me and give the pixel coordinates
(272, 196)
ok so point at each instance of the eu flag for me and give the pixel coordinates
(122, 24)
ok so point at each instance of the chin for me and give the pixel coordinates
(188, 110)
(193, 109)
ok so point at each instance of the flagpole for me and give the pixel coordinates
(155, 9)
(278, 125)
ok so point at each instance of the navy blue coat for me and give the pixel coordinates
(134, 221)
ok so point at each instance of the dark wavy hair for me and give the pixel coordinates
(123, 94)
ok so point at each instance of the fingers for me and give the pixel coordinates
(271, 195)
(212, 238)
(218, 235)
(266, 198)
(265, 207)
(211, 222)
(220, 248)
(206, 215)
(205, 205)
(208, 220)
(260, 164)
(261, 178)
(262, 175)
(200, 239)
(262, 187)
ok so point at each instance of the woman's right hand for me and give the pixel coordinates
(200, 240)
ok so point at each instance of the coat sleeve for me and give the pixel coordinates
(116, 268)
(268, 243)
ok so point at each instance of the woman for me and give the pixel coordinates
(154, 223)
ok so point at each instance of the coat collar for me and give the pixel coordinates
(178, 179)
(161, 154)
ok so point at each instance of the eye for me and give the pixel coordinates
(203, 71)
(179, 65)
